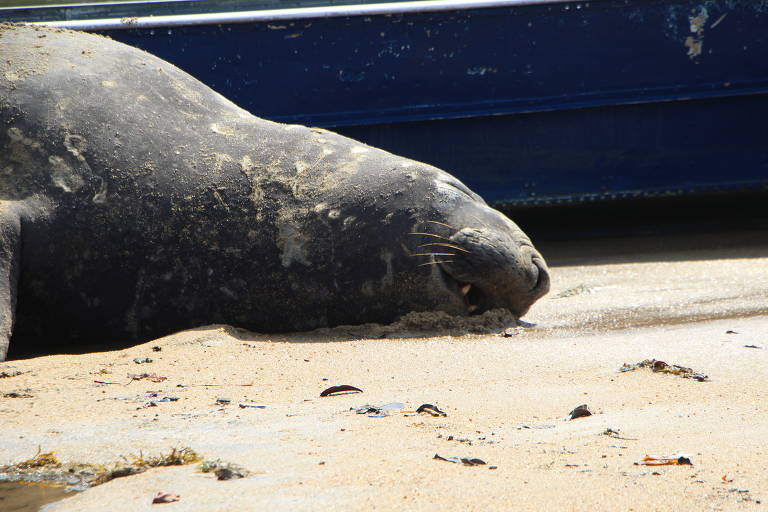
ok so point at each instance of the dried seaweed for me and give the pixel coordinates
(662, 367)
(46, 467)
(222, 470)
(467, 461)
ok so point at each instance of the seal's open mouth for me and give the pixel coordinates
(477, 301)
(473, 297)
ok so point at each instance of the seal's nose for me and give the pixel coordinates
(496, 269)
(542, 278)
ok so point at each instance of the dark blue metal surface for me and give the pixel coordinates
(369, 69)
(611, 152)
(562, 77)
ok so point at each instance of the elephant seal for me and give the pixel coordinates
(135, 202)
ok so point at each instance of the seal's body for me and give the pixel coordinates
(135, 201)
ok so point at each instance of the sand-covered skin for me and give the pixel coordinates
(312, 453)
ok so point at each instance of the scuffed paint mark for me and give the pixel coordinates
(393, 48)
(694, 46)
(698, 21)
(351, 76)
(695, 41)
(718, 20)
(481, 70)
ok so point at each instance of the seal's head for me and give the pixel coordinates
(478, 255)
(423, 241)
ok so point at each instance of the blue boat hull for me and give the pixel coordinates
(526, 103)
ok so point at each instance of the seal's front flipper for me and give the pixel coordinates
(10, 229)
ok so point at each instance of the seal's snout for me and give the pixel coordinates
(541, 287)
(496, 269)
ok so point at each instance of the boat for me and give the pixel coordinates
(529, 102)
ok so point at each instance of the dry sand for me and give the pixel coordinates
(618, 302)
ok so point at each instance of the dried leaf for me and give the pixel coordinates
(165, 497)
(463, 460)
(17, 394)
(616, 434)
(345, 388)
(431, 409)
(579, 412)
(224, 474)
(673, 460)
(152, 377)
(372, 411)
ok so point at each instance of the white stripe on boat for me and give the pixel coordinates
(390, 8)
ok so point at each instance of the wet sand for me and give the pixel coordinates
(696, 301)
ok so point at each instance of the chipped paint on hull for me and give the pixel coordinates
(371, 75)
(695, 42)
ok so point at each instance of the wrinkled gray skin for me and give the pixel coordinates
(135, 201)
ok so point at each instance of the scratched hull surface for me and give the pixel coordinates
(621, 98)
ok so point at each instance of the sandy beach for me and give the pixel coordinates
(699, 302)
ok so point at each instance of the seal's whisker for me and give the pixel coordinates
(433, 254)
(430, 234)
(448, 245)
(434, 262)
(442, 224)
